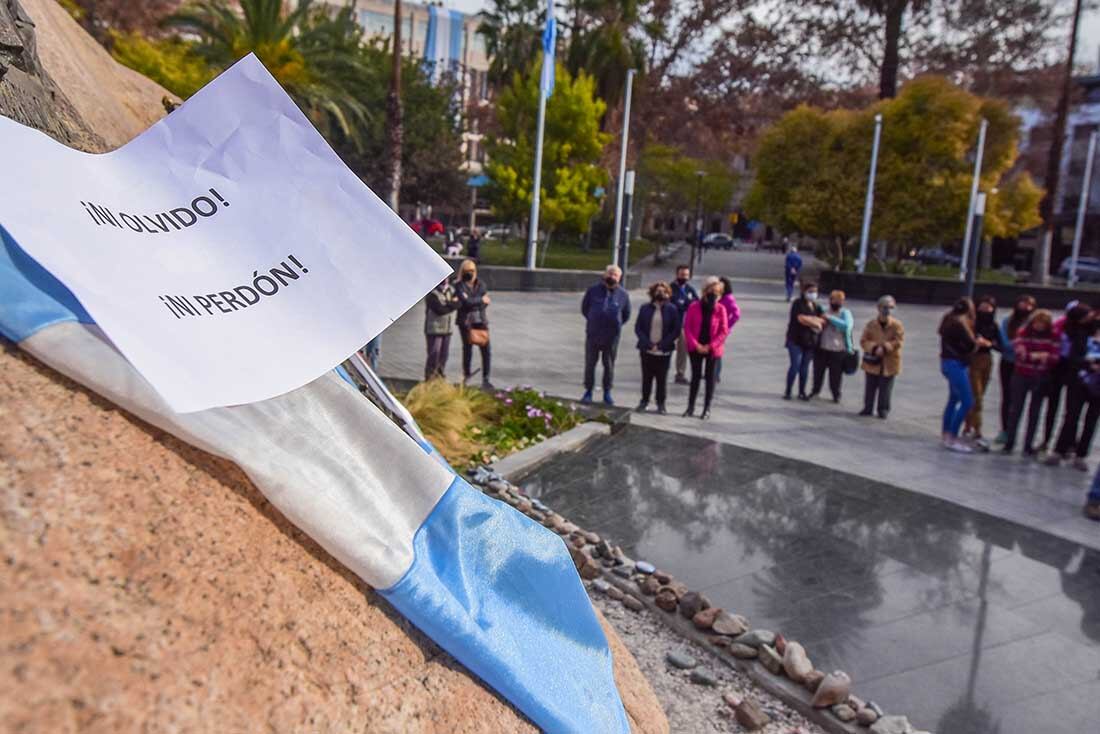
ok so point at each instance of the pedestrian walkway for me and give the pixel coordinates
(963, 622)
(538, 339)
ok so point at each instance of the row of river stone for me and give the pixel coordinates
(731, 633)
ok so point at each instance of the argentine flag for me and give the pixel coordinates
(549, 41)
(492, 587)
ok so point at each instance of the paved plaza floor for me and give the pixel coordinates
(966, 623)
(538, 339)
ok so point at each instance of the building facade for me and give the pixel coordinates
(447, 40)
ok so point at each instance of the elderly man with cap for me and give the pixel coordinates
(881, 342)
(606, 307)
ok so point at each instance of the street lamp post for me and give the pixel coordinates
(1082, 209)
(964, 261)
(622, 166)
(971, 263)
(869, 203)
(697, 240)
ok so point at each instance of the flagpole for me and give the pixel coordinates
(546, 88)
(533, 229)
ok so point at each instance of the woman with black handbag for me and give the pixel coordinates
(473, 324)
(882, 340)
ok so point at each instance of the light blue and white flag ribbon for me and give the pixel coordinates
(549, 42)
(496, 590)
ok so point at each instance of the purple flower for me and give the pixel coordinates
(507, 401)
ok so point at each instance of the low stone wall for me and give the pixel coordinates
(501, 278)
(905, 289)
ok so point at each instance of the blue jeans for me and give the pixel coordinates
(790, 287)
(959, 398)
(800, 366)
(1094, 491)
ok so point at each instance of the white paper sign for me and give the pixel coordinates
(227, 251)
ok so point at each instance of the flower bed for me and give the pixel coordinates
(470, 427)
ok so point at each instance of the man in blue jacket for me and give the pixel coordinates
(683, 294)
(606, 307)
(792, 267)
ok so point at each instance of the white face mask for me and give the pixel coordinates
(811, 295)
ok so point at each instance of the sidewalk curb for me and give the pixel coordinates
(522, 462)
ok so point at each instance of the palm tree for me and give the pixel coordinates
(605, 45)
(512, 30)
(394, 124)
(314, 54)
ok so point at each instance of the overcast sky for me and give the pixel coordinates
(1088, 45)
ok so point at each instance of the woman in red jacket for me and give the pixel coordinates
(706, 326)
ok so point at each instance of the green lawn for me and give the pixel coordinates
(562, 255)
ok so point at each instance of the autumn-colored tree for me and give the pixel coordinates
(812, 168)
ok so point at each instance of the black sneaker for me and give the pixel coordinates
(641, 407)
(705, 416)
(786, 396)
(804, 397)
(865, 413)
(661, 410)
(681, 380)
(689, 413)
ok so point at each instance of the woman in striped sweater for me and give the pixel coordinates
(1037, 351)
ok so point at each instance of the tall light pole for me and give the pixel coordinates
(964, 260)
(622, 166)
(971, 264)
(697, 240)
(869, 203)
(546, 88)
(1082, 209)
(393, 117)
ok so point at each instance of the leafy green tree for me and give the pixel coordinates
(431, 150)
(812, 170)
(313, 53)
(669, 182)
(170, 62)
(571, 151)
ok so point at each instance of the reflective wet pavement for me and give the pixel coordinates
(966, 623)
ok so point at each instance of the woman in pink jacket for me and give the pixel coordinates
(706, 326)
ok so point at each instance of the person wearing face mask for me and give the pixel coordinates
(605, 307)
(683, 295)
(733, 313)
(881, 342)
(706, 327)
(1078, 355)
(833, 346)
(473, 324)
(981, 367)
(805, 324)
(1058, 381)
(958, 343)
(657, 328)
(1037, 353)
(1010, 326)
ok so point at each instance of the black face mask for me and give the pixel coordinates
(467, 276)
(611, 282)
(681, 281)
(985, 317)
(834, 306)
(711, 297)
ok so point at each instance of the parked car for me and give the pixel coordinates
(1088, 269)
(497, 232)
(718, 241)
(427, 227)
(936, 256)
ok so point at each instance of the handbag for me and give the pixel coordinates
(478, 335)
(873, 360)
(851, 362)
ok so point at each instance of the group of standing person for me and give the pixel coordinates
(461, 302)
(1043, 359)
(822, 337)
(676, 320)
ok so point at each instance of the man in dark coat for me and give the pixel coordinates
(606, 307)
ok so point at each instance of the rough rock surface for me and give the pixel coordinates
(115, 102)
(150, 586)
(27, 93)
